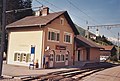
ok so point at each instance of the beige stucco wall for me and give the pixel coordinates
(21, 41)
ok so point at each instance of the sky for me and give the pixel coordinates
(96, 12)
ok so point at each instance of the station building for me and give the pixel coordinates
(44, 38)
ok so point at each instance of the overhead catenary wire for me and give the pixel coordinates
(55, 7)
(18, 10)
(61, 9)
(82, 11)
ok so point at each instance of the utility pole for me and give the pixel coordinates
(87, 31)
(118, 47)
(2, 35)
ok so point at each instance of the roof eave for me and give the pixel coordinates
(20, 26)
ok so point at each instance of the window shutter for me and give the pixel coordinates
(64, 38)
(27, 57)
(15, 57)
(58, 35)
(49, 35)
(21, 56)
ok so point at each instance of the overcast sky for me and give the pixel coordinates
(96, 12)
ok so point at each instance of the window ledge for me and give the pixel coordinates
(67, 43)
(53, 41)
(59, 61)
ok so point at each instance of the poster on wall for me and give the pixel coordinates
(32, 53)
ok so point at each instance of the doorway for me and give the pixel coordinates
(66, 58)
(51, 59)
(78, 55)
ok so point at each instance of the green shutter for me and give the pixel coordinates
(27, 57)
(15, 57)
(58, 36)
(49, 35)
(21, 56)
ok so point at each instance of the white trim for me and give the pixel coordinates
(71, 36)
(20, 52)
(55, 31)
(60, 58)
(63, 21)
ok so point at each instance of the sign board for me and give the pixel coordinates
(59, 47)
(32, 50)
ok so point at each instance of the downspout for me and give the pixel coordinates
(74, 50)
(43, 38)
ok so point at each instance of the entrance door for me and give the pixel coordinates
(78, 55)
(66, 59)
(51, 59)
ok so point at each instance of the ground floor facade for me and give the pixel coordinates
(25, 48)
(31, 47)
(84, 54)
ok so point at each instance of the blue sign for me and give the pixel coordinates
(32, 50)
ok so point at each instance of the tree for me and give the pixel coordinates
(16, 15)
(18, 4)
(0, 13)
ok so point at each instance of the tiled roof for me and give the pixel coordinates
(107, 47)
(42, 21)
(35, 20)
(86, 42)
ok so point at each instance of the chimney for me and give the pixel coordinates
(45, 11)
(38, 13)
(42, 12)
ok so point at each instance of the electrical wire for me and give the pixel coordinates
(82, 11)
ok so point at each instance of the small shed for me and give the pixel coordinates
(86, 50)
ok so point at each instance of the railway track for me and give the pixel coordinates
(70, 75)
(67, 75)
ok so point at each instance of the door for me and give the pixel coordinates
(66, 59)
(51, 58)
(78, 55)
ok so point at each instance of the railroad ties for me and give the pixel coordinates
(66, 75)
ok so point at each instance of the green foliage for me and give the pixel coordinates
(102, 40)
(18, 4)
(114, 58)
(0, 13)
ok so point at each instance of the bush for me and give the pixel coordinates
(114, 58)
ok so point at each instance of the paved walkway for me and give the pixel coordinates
(111, 74)
(19, 71)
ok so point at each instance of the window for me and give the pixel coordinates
(22, 57)
(57, 57)
(62, 21)
(60, 58)
(17, 57)
(68, 37)
(53, 35)
(58, 35)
